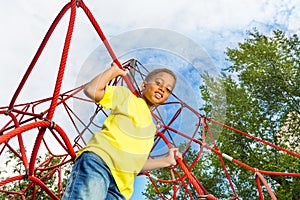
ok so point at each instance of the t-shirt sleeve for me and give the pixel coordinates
(114, 95)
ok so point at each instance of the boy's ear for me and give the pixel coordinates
(144, 83)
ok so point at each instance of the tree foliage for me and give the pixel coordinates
(15, 166)
(262, 87)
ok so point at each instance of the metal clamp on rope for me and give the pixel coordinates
(77, 3)
(202, 197)
(26, 174)
(158, 126)
(41, 115)
(52, 123)
(7, 111)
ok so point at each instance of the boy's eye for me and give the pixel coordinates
(158, 82)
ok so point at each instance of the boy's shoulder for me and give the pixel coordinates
(119, 90)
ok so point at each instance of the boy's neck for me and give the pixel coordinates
(149, 104)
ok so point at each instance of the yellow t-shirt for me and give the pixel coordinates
(126, 137)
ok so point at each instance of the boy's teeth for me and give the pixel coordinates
(157, 95)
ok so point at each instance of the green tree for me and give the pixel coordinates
(262, 87)
(48, 175)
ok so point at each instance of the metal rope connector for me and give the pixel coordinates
(52, 123)
(207, 197)
(7, 111)
(77, 3)
(26, 174)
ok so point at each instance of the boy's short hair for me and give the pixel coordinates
(157, 71)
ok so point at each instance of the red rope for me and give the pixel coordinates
(260, 192)
(11, 179)
(63, 60)
(205, 126)
(255, 138)
(272, 195)
(183, 167)
(43, 186)
(57, 85)
(39, 124)
(20, 140)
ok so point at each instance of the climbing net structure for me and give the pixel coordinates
(33, 124)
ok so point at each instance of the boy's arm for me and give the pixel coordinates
(167, 161)
(95, 89)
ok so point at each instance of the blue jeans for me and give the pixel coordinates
(91, 179)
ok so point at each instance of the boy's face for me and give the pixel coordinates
(158, 89)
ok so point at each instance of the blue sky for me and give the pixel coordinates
(213, 26)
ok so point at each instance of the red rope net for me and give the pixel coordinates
(33, 125)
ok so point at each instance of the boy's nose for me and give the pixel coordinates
(162, 88)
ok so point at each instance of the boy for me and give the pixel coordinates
(107, 166)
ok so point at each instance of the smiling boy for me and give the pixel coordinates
(107, 166)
